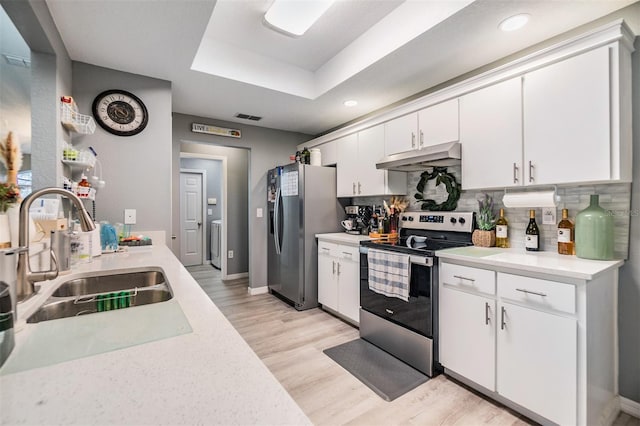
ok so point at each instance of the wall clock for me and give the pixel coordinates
(120, 112)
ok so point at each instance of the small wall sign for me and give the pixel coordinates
(213, 130)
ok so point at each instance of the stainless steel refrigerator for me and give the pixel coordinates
(302, 202)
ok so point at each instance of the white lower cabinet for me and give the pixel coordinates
(467, 326)
(528, 344)
(536, 363)
(339, 279)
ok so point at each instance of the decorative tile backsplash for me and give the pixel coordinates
(615, 197)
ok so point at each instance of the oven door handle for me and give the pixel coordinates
(420, 260)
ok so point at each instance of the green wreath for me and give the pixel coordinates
(441, 176)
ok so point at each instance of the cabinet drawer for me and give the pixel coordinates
(327, 249)
(537, 293)
(349, 253)
(468, 278)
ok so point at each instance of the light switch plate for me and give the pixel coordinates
(259, 212)
(548, 216)
(209, 212)
(129, 216)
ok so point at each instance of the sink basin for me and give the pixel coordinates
(99, 293)
(109, 283)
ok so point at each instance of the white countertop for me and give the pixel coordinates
(207, 376)
(343, 238)
(540, 262)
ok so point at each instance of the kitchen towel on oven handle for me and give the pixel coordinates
(389, 273)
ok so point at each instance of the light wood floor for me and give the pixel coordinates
(290, 343)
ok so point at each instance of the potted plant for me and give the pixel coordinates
(485, 235)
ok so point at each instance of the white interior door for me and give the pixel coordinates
(191, 224)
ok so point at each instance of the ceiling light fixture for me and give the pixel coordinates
(295, 17)
(514, 22)
(350, 103)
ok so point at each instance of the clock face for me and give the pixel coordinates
(119, 112)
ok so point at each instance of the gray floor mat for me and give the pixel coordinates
(382, 373)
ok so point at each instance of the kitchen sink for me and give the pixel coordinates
(109, 283)
(100, 293)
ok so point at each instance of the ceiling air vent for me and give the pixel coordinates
(248, 117)
(17, 60)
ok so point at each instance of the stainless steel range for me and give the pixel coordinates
(399, 286)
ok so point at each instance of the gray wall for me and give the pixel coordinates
(50, 79)
(268, 149)
(214, 182)
(237, 197)
(137, 169)
(629, 288)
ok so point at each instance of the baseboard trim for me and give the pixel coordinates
(610, 411)
(630, 407)
(236, 276)
(258, 290)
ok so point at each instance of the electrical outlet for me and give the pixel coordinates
(209, 212)
(549, 216)
(259, 212)
(230, 254)
(129, 216)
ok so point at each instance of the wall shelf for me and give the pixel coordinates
(76, 122)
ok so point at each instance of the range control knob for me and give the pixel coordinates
(453, 220)
(404, 218)
(461, 220)
(410, 218)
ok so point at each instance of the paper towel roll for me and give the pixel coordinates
(530, 199)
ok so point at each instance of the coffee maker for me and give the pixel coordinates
(357, 221)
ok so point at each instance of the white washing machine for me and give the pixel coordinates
(216, 239)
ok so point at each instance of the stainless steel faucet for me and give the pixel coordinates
(26, 278)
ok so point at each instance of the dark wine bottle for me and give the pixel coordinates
(531, 242)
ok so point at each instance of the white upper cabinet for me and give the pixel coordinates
(401, 134)
(370, 150)
(559, 116)
(562, 123)
(567, 117)
(347, 165)
(357, 174)
(328, 153)
(491, 133)
(430, 126)
(438, 124)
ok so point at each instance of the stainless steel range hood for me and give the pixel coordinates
(445, 154)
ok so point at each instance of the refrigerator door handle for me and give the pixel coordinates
(276, 222)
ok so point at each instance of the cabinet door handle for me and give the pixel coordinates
(354, 188)
(530, 171)
(421, 138)
(338, 268)
(346, 253)
(389, 311)
(515, 173)
(464, 278)
(486, 313)
(503, 324)
(531, 292)
(359, 188)
(334, 266)
(413, 140)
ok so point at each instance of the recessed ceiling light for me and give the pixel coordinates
(514, 22)
(350, 103)
(295, 17)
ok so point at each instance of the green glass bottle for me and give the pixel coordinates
(594, 232)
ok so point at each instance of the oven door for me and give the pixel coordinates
(418, 314)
